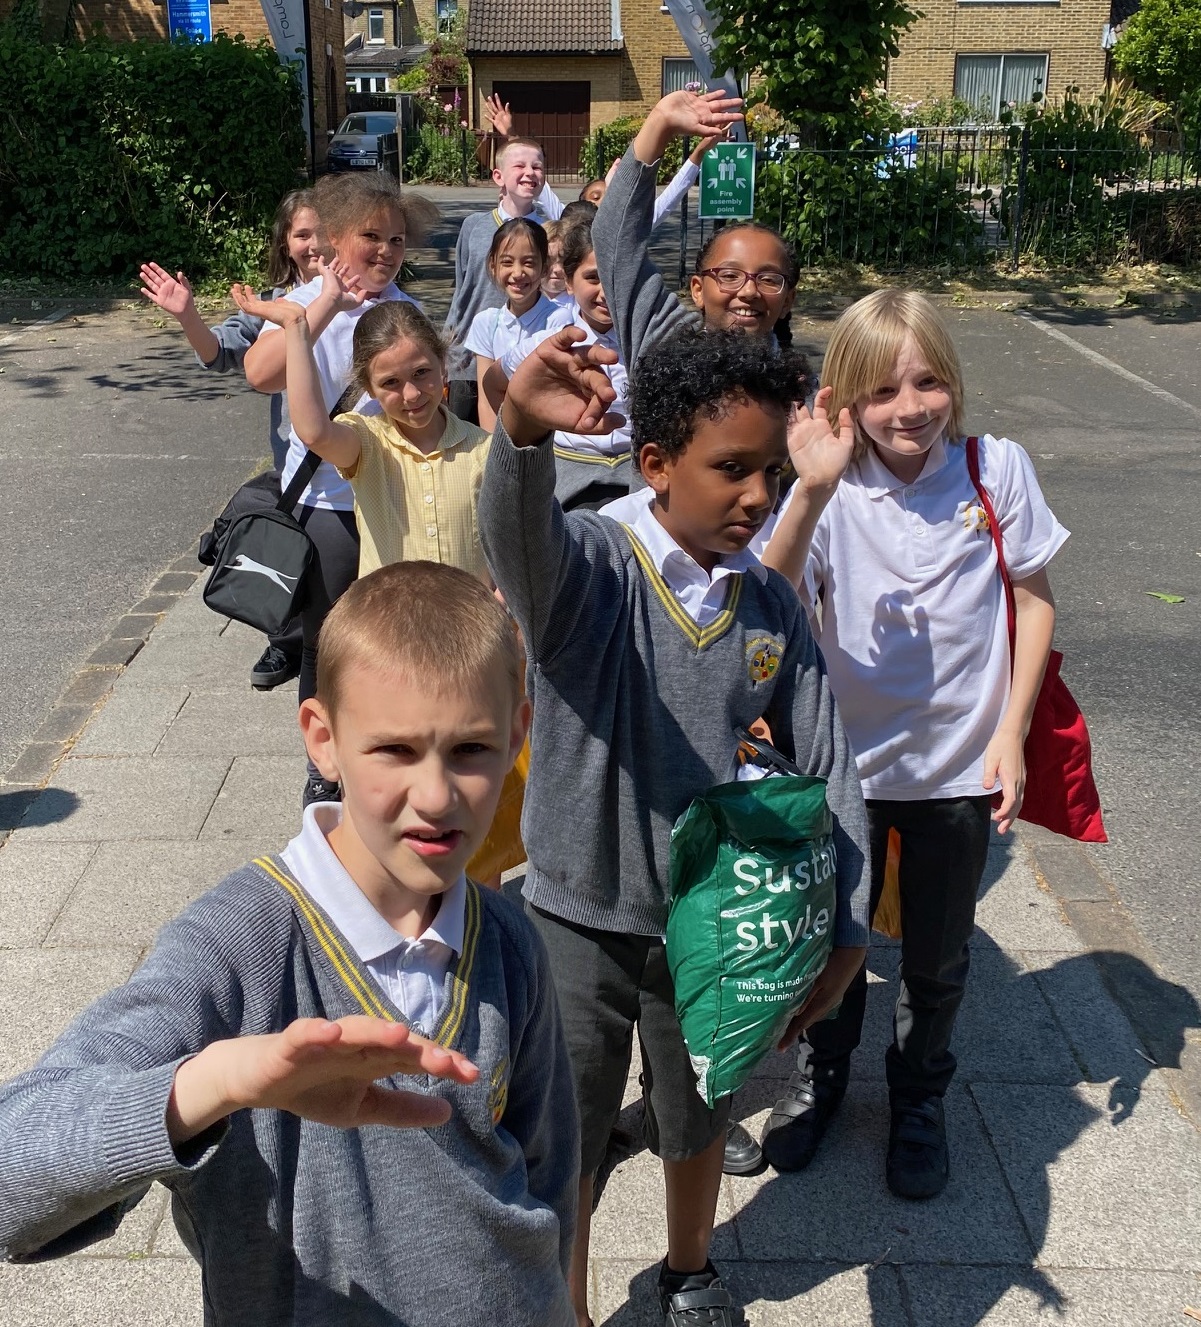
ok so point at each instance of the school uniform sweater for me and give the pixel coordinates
(297, 1222)
(636, 706)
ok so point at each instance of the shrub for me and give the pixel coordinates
(114, 153)
(611, 140)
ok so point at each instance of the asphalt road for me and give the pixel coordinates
(117, 451)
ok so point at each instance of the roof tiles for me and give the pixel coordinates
(529, 27)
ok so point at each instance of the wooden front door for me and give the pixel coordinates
(553, 114)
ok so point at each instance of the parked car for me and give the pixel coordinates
(355, 145)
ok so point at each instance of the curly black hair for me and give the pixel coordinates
(697, 374)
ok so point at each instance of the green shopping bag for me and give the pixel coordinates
(751, 920)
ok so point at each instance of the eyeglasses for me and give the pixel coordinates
(732, 279)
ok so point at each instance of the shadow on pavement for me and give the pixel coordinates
(45, 806)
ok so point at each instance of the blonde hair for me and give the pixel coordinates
(866, 341)
(430, 622)
(518, 142)
(381, 327)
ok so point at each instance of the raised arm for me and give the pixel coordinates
(540, 571)
(682, 180)
(266, 360)
(173, 294)
(333, 442)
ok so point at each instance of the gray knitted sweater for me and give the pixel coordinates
(635, 706)
(296, 1222)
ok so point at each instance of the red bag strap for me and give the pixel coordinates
(994, 529)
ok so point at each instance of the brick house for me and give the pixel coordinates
(568, 66)
(131, 20)
(994, 51)
(383, 38)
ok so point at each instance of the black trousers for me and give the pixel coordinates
(944, 845)
(335, 568)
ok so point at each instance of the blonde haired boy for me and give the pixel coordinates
(345, 1061)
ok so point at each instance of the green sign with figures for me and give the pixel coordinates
(728, 182)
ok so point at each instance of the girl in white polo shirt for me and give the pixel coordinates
(517, 261)
(901, 576)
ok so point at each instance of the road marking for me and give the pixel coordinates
(51, 318)
(1098, 358)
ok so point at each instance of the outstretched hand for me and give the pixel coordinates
(172, 294)
(282, 312)
(325, 1071)
(498, 115)
(701, 114)
(561, 386)
(820, 455)
(339, 286)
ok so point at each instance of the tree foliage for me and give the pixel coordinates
(820, 60)
(1160, 50)
(114, 153)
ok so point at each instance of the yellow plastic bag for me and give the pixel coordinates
(503, 849)
(887, 919)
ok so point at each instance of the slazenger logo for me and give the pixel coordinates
(243, 563)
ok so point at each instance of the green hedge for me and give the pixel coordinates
(111, 154)
(609, 141)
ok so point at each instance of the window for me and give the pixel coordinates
(678, 72)
(989, 82)
(446, 11)
(375, 25)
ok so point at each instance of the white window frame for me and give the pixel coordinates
(677, 60)
(1002, 56)
(372, 15)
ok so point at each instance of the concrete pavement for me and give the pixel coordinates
(1075, 1195)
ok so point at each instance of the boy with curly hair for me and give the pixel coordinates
(646, 636)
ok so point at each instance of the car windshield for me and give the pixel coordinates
(368, 124)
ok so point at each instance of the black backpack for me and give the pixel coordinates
(260, 554)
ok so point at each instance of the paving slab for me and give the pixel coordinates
(129, 891)
(41, 991)
(1099, 1185)
(132, 722)
(196, 660)
(35, 881)
(839, 1208)
(127, 797)
(191, 616)
(135, 1235)
(260, 799)
(1016, 914)
(1008, 1297)
(102, 1292)
(244, 722)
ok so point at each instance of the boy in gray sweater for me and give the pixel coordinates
(651, 640)
(346, 1061)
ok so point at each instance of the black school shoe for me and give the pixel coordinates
(699, 1300)
(799, 1120)
(918, 1161)
(274, 668)
(320, 790)
(743, 1156)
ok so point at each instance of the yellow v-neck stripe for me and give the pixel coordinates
(591, 458)
(344, 965)
(451, 1022)
(701, 637)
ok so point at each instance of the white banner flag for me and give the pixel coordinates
(696, 23)
(285, 18)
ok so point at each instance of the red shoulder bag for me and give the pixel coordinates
(1060, 792)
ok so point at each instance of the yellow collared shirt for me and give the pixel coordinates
(416, 506)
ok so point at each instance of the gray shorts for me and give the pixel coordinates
(608, 983)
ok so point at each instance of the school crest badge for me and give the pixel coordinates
(763, 656)
(975, 518)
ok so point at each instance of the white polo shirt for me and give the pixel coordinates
(702, 596)
(616, 443)
(493, 332)
(411, 972)
(913, 625)
(333, 352)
